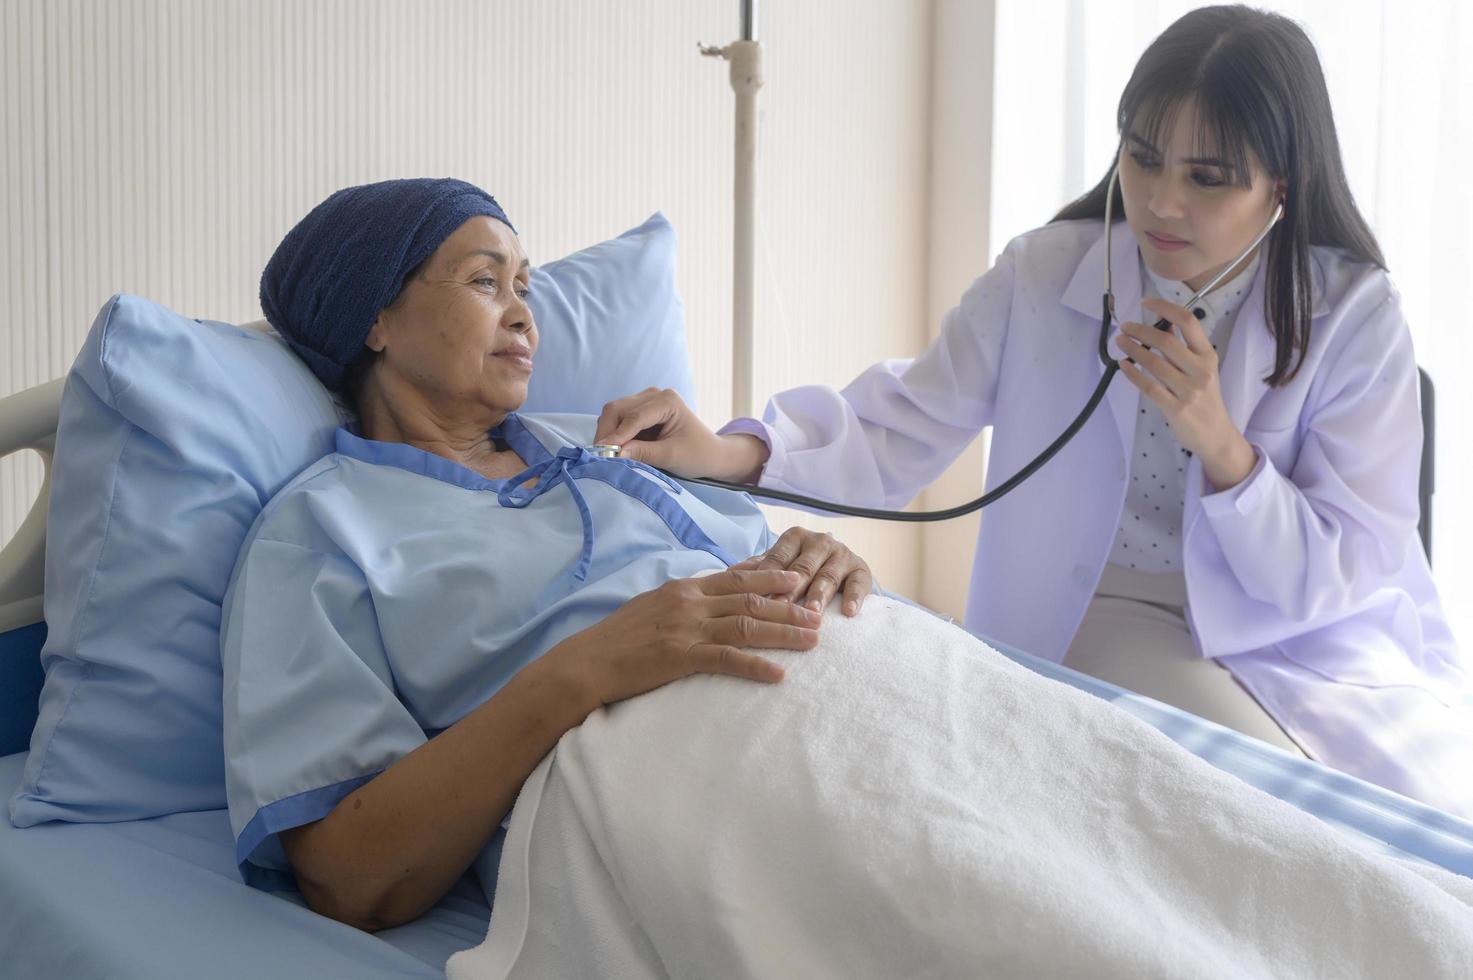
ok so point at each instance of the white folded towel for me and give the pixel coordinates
(909, 803)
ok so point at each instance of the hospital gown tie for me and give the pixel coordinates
(571, 464)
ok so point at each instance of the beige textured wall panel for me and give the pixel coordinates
(163, 147)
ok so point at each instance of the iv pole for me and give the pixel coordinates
(745, 58)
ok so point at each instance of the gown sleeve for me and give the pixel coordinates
(894, 429)
(310, 707)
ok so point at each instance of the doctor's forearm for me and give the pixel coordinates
(746, 456)
(391, 849)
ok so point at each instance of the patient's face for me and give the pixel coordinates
(460, 333)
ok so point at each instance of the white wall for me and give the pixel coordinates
(163, 148)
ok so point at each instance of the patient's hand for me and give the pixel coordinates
(708, 624)
(825, 566)
(657, 427)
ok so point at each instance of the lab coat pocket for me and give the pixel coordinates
(1370, 649)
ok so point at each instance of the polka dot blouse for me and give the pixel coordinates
(1149, 537)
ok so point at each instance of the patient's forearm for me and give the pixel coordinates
(390, 850)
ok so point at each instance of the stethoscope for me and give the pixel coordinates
(1111, 367)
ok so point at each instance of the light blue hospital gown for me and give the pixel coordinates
(386, 592)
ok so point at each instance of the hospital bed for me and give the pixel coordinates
(161, 896)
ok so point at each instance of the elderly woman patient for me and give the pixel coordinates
(457, 585)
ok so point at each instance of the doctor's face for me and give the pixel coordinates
(459, 335)
(1189, 213)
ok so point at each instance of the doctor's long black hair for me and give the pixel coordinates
(1258, 87)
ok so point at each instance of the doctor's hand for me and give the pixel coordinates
(1180, 374)
(707, 624)
(657, 427)
(825, 567)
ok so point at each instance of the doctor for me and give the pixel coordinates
(1236, 535)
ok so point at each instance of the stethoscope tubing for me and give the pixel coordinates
(929, 516)
(1013, 482)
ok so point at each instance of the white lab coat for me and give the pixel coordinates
(1307, 580)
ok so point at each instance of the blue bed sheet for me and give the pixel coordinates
(159, 899)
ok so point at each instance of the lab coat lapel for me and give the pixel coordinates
(1249, 357)
(1251, 349)
(1084, 294)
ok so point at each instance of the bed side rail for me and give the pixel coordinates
(28, 421)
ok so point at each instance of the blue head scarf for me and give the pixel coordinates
(348, 259)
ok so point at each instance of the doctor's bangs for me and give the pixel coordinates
(1214, 137)
(1230, 121)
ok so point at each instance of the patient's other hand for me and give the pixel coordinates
(657, 427)
(825, 566)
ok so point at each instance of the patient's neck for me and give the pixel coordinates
(393, 411)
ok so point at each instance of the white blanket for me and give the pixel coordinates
(909, 803)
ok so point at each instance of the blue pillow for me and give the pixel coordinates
(609, 323)
(173, 435)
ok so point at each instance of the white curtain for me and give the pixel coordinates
(1402, 92)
